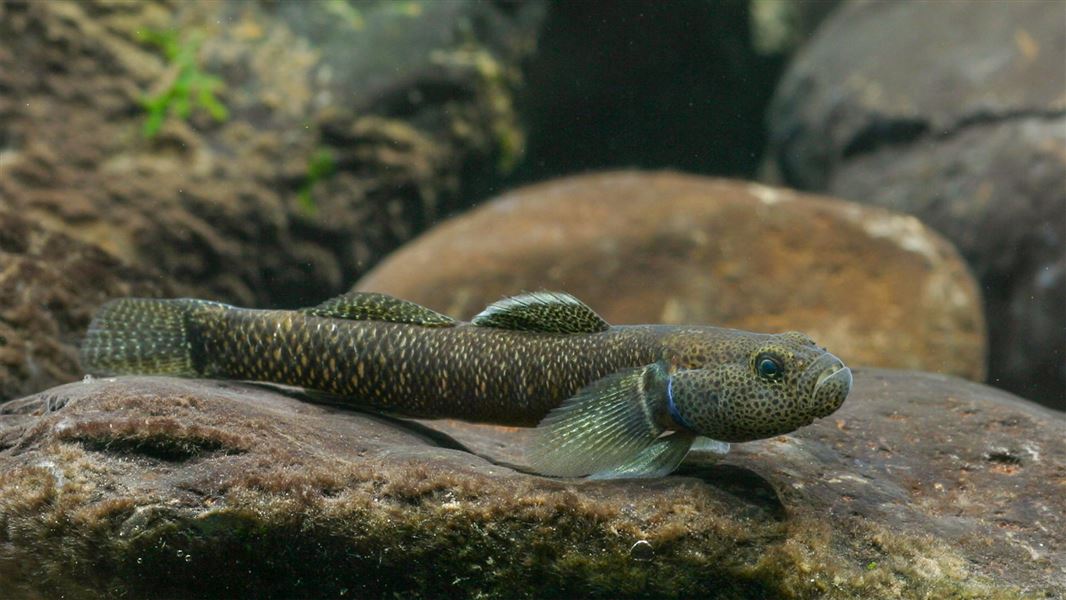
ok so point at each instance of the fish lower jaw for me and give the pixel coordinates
(839, 378)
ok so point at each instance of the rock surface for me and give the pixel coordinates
(875, 287)
(973, 143)
(921, 486)
(49, 285)
(339, 132)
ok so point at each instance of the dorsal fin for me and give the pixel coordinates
(371, 306)
(549, 312)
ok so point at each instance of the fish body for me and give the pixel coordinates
(614, 400)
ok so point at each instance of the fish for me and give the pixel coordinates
(607, 401)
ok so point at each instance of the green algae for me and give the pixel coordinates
(319, 166)
(188, 88)
(346, 13)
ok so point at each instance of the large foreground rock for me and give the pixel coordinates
(875, 287)
(921, 486)
(973, 142)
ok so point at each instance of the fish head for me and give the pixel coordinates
(737, 386)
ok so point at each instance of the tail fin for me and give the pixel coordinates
(140, 335)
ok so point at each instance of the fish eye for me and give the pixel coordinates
(769, 366)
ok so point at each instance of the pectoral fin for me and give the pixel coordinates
(608, 426)
(657, 460)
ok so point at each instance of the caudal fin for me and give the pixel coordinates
(140, 335)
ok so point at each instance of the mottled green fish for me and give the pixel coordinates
(621, 401)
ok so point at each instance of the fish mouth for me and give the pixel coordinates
(831, 386)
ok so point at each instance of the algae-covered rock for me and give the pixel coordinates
(49, 285)
(875, 287)
(921, 486)
(264, 152)
(954, 112)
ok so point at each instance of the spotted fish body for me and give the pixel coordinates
(606, 397)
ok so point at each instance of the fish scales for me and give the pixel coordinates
(494, 375)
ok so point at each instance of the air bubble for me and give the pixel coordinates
(642, 551)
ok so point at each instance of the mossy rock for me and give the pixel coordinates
(920, 486)
(50, 284)
(259, 152)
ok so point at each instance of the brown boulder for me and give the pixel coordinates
(921, 486)
(973, 142)
(875, 287)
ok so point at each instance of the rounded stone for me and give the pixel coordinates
(873, 286)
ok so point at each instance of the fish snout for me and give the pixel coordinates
(831, 384)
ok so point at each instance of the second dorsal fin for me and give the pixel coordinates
(371, 306)
(549, 312)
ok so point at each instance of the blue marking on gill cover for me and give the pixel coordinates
(672, 407)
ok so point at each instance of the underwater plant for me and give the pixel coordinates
(189, 85)
(319, 166)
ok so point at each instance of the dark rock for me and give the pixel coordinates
(973, 143)
(999, 191)
(345, 130)
(875, 287)
(49, 285)
(920, 486)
